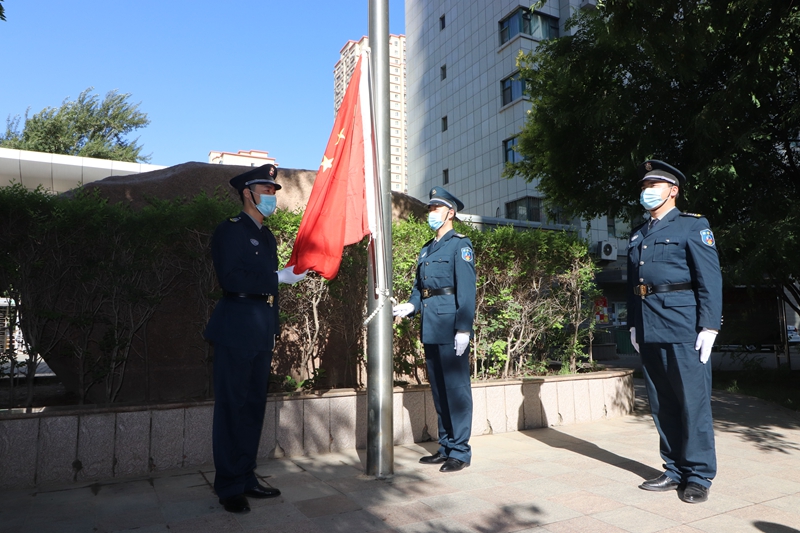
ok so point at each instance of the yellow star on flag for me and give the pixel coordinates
(340, 137)
(326, 163)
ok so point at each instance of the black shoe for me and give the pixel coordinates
(235, 504)
(260, 491)
(453, 465)
(434, 459)
(694, 493)
(660, 484)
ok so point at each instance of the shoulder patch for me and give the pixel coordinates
(235, 219)
(466, 254)
(707, 237)
(695, 215)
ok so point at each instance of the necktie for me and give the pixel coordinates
(653, 222)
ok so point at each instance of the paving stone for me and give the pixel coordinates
(166, 439)
(96, 446)
(18, 452)
(132, 444)
(57, 449)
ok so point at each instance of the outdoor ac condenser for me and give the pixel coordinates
(607, 250)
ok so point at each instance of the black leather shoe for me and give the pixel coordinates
(660, 484)
(434, 459)
(235, 504)
(694, 493)
(453, 465)
(260, 491)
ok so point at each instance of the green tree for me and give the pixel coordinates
(2, 11)
(84, 127)
(709, 86)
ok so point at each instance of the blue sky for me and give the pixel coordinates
(235, 75)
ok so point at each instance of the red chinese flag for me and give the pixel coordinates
(336, 214)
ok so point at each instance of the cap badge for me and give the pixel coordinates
(254, 242)
(433, 191)
(271, 171)
(648, 166)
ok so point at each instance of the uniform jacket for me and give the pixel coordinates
(679, 248)
(246, 261)
(447, 263)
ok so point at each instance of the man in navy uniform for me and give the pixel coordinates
(243, 328)
(674, 309)
(444, 295)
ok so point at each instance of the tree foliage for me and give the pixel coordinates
(86, 127)
(709, 86)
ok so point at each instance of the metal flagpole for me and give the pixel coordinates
(380, 435)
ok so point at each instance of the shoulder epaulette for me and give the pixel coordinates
(695, 215)
(235, 219)
(461, 235)
(427, 243)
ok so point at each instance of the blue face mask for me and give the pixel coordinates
(266, 204)
(651, 198)
(434, 221)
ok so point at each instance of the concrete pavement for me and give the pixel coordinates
(579, 478)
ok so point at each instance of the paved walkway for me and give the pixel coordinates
(580, 478)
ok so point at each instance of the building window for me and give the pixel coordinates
(445, 176)
(528, 208)
(532, 209)
(513, 89)
(509, 154)
(441, 23)
(444, 123)
(444, 71)
(522, 20)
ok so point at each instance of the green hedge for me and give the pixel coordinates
(88, 277)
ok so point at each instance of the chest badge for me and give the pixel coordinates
(634, 237)
(466, 254)
(707, 236)
(254, 242)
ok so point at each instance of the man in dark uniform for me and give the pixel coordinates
(444, 295)
(242, 328)
(674, 309)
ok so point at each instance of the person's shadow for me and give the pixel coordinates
(771, 527)
(556, 439)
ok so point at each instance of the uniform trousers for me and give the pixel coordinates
(679, 389)
(241, 378)
(452, 397)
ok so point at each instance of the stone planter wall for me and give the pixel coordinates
(81, 445)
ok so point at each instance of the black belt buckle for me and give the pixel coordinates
(642, 290)
(426, 293)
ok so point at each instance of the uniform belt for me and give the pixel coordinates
(263, 297)
(427, 293)
(647, 290)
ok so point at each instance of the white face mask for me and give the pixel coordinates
(651, 198)
(435, 221)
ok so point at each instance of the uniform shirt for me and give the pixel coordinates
(680, 248)
(450, 262)
(246, 261)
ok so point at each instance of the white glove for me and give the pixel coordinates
(288, 276)
(403, 309)
(633, 340)
(704, 342)
(461, 342)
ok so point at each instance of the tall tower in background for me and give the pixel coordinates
(348, 56)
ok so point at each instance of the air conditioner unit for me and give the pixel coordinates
(607, 250)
